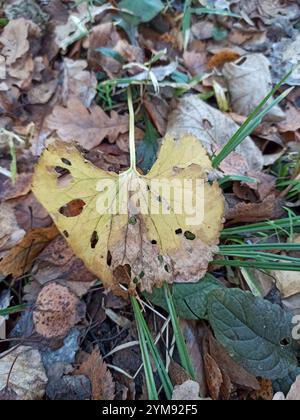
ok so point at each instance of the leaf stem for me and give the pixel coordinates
(131, 131)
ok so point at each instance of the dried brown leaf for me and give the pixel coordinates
(19, 259)
(103, 387)
(89, 127)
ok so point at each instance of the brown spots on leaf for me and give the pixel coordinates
(72, 209)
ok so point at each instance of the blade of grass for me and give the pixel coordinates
(260, 247)
(254, 119)
(208, 11)
(164, 377)
(257, 264)
(12, 310)
(240, 178)
(262, 227)
(150, 382)
(181, 345)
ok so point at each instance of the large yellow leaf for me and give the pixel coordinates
(164, 245)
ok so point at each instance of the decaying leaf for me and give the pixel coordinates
(189, 390)
(27, 377)
(88, 126)
(212, 127)
(57, 311)
(10, 232)
(19, 259)
(103, 387)
(249, 81)
(15, 39)
(287, 282)
(78, 81)
(119, 230)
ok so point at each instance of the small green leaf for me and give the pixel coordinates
(256, 333)
(142, 10)
(148, 147)
(190, 299)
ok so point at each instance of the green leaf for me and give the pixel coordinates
(256, 333)
(190, 300)
(111, 53)
(148, 147)
(142, 10)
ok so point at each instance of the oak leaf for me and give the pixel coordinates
(151, 247)
(88, 126)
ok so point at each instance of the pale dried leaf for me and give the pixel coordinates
(212, 127)
(15, 39)
(27, 377)
(89, 127)
(249, 81)
(10, 232)
(78, 81)
(188, 391)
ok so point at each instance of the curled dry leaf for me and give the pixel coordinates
(249, 82)
(119, 230)
(212, 127)
(103, 387)
(19, 259)
(57, 311)
(88, 126)
(27, 377)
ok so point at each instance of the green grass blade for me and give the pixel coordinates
(209, 11)
(150, 382)
(262, 227)
(181, 345)
(163, 374)
(252, 121)
(258, 264)
(13, 310)
(260, 247)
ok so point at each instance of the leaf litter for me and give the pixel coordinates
(64, 72)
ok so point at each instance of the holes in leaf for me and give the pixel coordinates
(94, 239)
(167, 268)
(108, 258)
(66, 162)
(132, 220)
(66, 233)
(178, 231)
(62, 171)
(285, 342)
(189, 235)
(154, 242)
(241, 61)
(160, 259)
(72, 209)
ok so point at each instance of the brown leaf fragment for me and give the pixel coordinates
(265, 392)
(10, 232)
(21, 187)
(239, 211)
(14, 39)
(158, 110)
(235, 372)
(57, 311)
(19, 259)
(88, 126)
(103, 387)
(213, 376)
